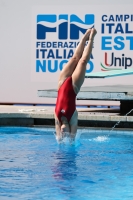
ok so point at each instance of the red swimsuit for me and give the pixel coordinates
(65, 104)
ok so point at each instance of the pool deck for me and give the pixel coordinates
(44, 115)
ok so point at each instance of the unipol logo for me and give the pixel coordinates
(64, 26)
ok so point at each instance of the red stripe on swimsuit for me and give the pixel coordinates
(65, 104)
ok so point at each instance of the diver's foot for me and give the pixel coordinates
(87, 34)
(92, 34)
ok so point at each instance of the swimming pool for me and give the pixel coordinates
(34, 167)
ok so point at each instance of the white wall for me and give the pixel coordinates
(15, 49)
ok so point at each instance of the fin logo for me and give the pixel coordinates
(65, 26)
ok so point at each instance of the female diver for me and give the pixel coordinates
(70, 81)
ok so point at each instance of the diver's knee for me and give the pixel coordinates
(75, 58)
(83, 61)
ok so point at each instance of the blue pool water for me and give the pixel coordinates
(34, 167)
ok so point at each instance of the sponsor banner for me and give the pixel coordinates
(56, 32)
(116, 41)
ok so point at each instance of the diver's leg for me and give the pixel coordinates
(79, 73)
(71, 65)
